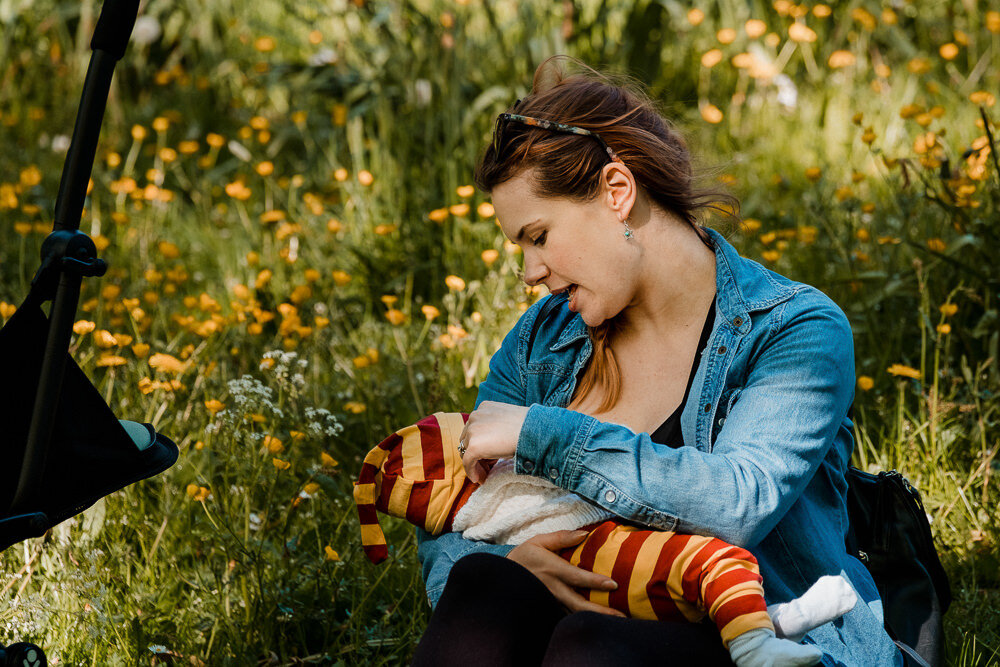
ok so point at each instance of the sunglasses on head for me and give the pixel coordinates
(505, 119)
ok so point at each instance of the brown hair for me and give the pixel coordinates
(570, 166)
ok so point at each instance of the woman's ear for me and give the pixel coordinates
(620, 188)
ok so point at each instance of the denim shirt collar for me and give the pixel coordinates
(742, 287)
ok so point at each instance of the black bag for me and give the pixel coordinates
(890, 534)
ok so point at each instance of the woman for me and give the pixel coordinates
(650, 315)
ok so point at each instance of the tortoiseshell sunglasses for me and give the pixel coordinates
(504, 119)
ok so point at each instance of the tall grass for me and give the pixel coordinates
(279, 192)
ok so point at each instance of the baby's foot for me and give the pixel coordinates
(760, 648)
(829, 598)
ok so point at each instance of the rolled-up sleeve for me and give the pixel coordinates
(797, 392)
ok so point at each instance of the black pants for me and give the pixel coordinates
(494, 612)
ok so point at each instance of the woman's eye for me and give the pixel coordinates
(540, 239)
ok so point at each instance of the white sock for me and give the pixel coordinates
(829, 598)
(760, 648)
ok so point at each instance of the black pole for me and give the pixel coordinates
(111, 36)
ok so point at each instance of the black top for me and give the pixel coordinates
(669, 432)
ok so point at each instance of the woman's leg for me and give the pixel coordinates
(492, 612)
(589, 639)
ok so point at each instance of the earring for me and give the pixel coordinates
(628, 230)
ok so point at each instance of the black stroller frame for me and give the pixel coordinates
(65, 449)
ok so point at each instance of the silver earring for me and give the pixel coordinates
(628, 230)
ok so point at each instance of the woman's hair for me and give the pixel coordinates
(570, 166)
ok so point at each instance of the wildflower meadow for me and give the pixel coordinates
(299, 266)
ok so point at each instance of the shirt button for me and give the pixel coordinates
(708, 407)
(737, 321)
(722, 349)
(722, 420)
(610, 496)
(529, 466)
(553, 473)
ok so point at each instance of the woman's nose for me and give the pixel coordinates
(535, 271)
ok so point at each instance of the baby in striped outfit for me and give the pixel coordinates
(416, 474)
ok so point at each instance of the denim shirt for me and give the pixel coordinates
(767, 441)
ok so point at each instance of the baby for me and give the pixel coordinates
(417, 474)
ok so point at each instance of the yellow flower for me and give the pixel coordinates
(711, 113)
(355, 407)
(215, 140)
(167, 363)
(814, 173)
(754, 28)
(948, 309)
(104, 338)
(465, 191)
(948, 51)
(944, 328)
(265, 168)
(750, 225)
(800, 32)
(395, 316)
(372, 354)
(140, 350)
(726, 36)
(187, 147)
(485, 210)
(430, 312)
(110, 360)
(341, 277)
(340, 175)
(138, 132)
(361, 361)
(454, 283)
(327, 460)
(264, 44)
(311, 488)
(202, 494)
(365, 177)
(385, 230)
(489, 256)
(334, 225)
(771, 255)
(839, 59)
(865, 383)
(711, 58)
(900, 370)
(438, 215)
(191, 490)
(982, 98)
(459, 210)
(215, 405)
(80, 328)
(695, 16)
(274, 445)
(281, 465)
(937, 245)
(331, 554)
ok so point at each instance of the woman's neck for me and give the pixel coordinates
(676, 284)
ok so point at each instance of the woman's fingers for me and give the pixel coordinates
(576, 602)
(538, 555)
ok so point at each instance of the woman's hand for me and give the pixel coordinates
(539, 556)
(490, 433)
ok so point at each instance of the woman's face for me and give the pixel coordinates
(568, 245)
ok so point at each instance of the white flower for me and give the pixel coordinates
(324, 56)
(60, 143)
(423, 92)
(788, 94)
(147, 30)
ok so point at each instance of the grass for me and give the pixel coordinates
(278, 191)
